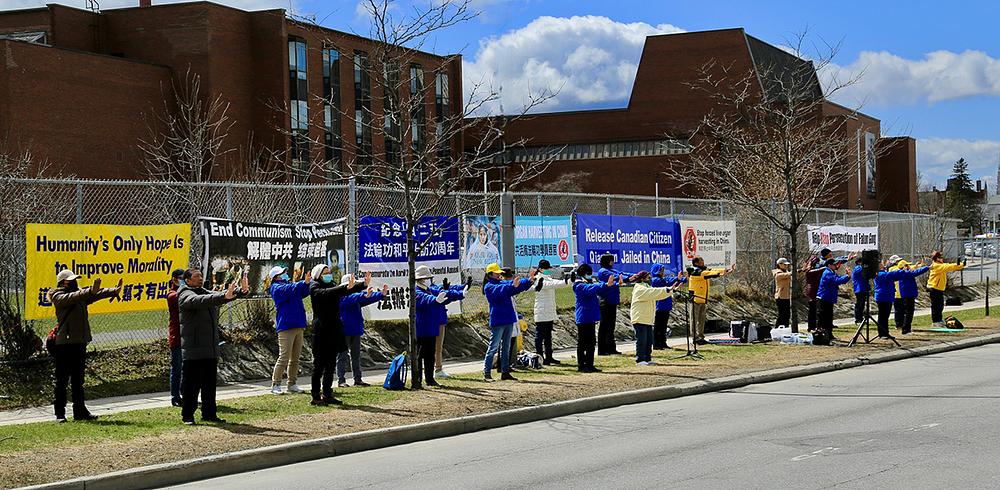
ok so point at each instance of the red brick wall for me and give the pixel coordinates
(896, 174)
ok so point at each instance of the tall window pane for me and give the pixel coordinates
(298, 96)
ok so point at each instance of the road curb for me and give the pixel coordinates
(294, 452)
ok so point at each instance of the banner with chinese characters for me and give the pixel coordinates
(713, 241)
(543, 237)
(382, 251)
(237, 248)
(142, 256)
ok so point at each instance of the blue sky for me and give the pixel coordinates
(932, 69)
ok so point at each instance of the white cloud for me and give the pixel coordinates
(110, 4)
(935, 157)
(888, 79)
(587, 59)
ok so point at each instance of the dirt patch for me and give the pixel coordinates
(460, 396)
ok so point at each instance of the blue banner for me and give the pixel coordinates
(543, 237)
(383, 239)
(637, 242)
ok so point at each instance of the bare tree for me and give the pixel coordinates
(415, 173)
(774, 144)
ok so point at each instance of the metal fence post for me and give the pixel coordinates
(229, 202)
(913, 238)
(671, 207)
(79, 203)
(507, 229)
(352, 225)
(538, 200)
(609, 205)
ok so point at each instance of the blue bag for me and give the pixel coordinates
(395, 379)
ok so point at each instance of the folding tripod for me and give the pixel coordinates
(691, 353)
(866, 325)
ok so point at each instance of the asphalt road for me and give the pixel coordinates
(928, 422)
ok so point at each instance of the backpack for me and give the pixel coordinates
(821, 337)
(953, 323)
(395, 379)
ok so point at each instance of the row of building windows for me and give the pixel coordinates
(600, 150)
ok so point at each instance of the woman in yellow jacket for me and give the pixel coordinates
(643, 314)
(937, 282)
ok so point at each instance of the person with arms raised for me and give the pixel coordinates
(328, 329)
(290, 323)
(500, 295)
(588, 294)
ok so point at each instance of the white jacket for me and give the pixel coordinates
(545, 299)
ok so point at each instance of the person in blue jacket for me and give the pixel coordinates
(908, 294)
(588, 312)
(606, 345)
(429, 303)
(861, 291)
(661, 322)
(885, 296)
(500, 295)
(442, 310)
(354, 327)
(829, 284)
(290, 322)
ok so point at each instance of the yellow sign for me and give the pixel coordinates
(142, 256)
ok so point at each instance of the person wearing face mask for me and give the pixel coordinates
(72, 336)
(783, 291)
(500, 295)
(328, 329)
(442, 319)
(661, 322)
(588, 312)
(174, 338)
(937, 282)
(354, 327)
(642, 313)
(606, 345)
(545, 310)
(430, 302)
(290, 323)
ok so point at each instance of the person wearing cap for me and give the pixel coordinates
(588, 294)
(325, 293)
(174, 338)
(199, 318)
(937, 282)
(642, 313)
(699, 277)
(442, 319)
(898, 308)
(72, 336)
(885, 294)
(812, 272)
(861, 291)
(500, 295)
(354, 327)
(783, 291)
(661, 322)
(428, 318)
(908, 290)
(290, 323)
(545, 310)
(826, 295)
(606, 344)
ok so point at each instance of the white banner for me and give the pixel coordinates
(714, 241)
(842, 238)
(395, 274)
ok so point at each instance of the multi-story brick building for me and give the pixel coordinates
(80, 87)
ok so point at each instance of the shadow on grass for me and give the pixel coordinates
(252, 430)
(398, 412)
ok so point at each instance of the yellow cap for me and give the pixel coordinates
(493, 268)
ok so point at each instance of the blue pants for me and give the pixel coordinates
(499, 342)
(175, 372)
(643, 342)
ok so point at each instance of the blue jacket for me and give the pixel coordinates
(659, 282)
(588, 304)
(454, 294)
(500, 294)
(860, 283)
(613, 295)
(885, 285)
(350, 312)
(287, 296)
(908, 283)
(829, 283)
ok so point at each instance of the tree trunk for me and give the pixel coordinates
(411, 265)
(793, 251)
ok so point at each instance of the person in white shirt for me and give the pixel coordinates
(545, 310)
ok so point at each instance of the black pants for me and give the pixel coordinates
(784, 312)
(937, 305)
(324, 368)
(899, 312)
(661, 324)
(606, 331)
(585, 341)
(811, 319)
(860, 299)
(824, 316)
(908, 307)
(70, 361)
(884, 309)
(199, 376)
(543, 340)
(426, 347)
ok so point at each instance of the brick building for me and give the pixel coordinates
(78, 87)
(622, 151)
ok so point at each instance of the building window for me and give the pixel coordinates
(417, 113)
(34, 37)
(298, 97)
(362, 110)
(333, 141)
(601, 150)
(390, 114)
(441, 113)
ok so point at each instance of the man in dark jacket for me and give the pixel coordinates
(199, 318)
(328, 330)
(72, 337)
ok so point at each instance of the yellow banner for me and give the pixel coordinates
(142, 256)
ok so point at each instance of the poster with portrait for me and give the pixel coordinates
(481, 238)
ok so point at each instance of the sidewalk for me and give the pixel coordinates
(105, 406)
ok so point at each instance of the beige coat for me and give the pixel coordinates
(782, 284)
(644, 298)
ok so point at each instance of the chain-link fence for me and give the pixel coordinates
(148, 203)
